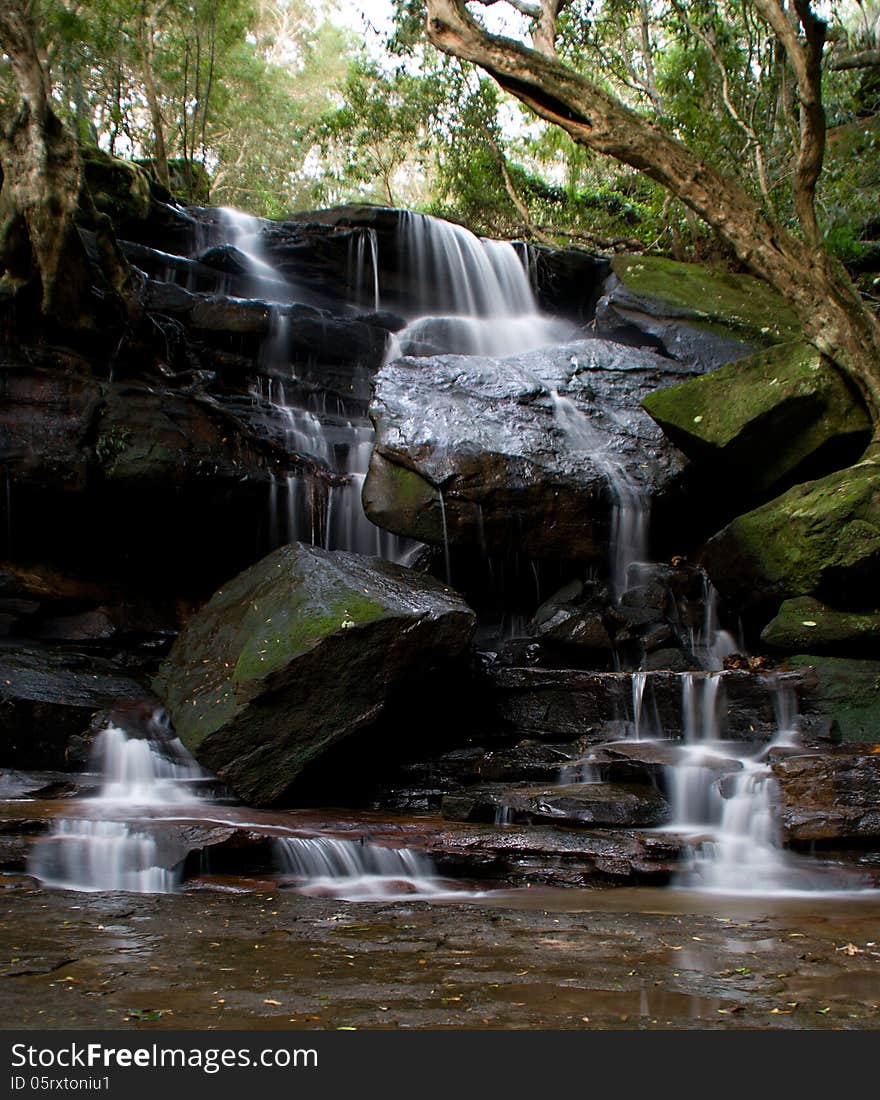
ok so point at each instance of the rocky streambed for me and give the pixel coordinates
(249, 955)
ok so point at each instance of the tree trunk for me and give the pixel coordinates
(146, 26)
(833, 315)
(45, 193)
(42, 179)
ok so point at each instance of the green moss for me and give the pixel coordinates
(297, 629)
(401, 500)
(846, 691)
(806, 623)
(119, 188)
(734, 302)
(818, 537)
(762, 416)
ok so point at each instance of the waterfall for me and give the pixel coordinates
(97, 852)
(744, 852)
(472, 296)
(363, 269)
(87, 855)
(630, 514)
(356, 870)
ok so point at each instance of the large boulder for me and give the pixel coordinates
(821, 538)
(302, 650)
(693, 314)
(483, 453)
(806, 624)
(758, 420)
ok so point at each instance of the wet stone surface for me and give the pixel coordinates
(249, 955)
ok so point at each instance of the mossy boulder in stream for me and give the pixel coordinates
(819, 539)
(761, 418)
(303, 649)
(696, 315)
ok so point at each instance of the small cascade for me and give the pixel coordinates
(356, 870)
(472, 296)
(244, 232)
(83, 854)
(712, 644)
(728, 789)
(363, 265)
(138, 772)
(97, 852)
(630, 515)
(639, 680)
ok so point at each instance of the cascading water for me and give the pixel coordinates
(727, 789)
(97, 852)
(356, 870)
(630, 515)
(476, 297)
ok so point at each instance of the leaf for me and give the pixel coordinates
(147, 1015)
(823, 1011)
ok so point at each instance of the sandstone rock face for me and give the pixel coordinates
(831, 797)
(516, 452)
(299, 652)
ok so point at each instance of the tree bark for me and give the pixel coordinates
(146, 27)
(42, 179)
(45, 193)
(833, 315)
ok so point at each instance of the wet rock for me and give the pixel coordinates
(299, 652)
(673, 658)
(41, 584)
(834, 796)
(558, 856)
(468, 448)
(845, 693)
(48, 698)
(806, 624)
(566, 704)
(819, 539)
(611, 804)
(762, 419)
(226, 258)
(567, 281)
(238, 315)
(47, 410)
(697, 316)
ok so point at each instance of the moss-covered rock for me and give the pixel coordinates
(695, 314)
(805, 623)
(819, 539)
(303, 649)
(120, 188)
(763, 417)
(845, 691)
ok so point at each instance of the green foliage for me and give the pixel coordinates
(280, 109)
